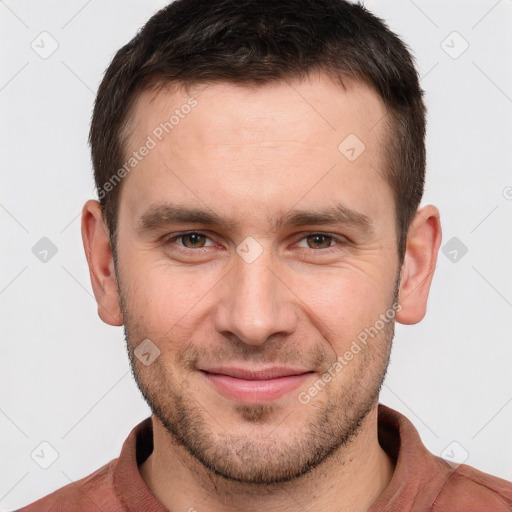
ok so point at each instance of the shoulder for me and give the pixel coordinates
(93, 493)
(469, 490)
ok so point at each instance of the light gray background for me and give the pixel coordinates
(64, 374)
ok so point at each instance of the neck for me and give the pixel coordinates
(351, 479)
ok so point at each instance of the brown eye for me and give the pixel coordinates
(193, 240)
(319, 241)
(188, 244)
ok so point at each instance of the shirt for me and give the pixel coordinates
(421, 481)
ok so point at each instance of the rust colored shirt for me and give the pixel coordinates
(421, 481)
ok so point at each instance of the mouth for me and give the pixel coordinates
(255, 386)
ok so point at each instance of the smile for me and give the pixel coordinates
(256, 387)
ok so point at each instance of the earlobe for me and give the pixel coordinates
(423, 242)
(98, 252)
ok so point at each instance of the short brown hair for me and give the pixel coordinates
(255, 42)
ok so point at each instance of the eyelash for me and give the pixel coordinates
(339, 242)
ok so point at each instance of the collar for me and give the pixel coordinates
(418, 475)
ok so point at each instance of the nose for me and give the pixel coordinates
(254, 303)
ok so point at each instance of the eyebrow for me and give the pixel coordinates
(165, 215)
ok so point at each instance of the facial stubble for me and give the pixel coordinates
(260, 459)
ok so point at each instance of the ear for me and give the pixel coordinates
(423, 242)
(98, 252)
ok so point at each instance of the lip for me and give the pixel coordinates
(273, 372)
(255, 386)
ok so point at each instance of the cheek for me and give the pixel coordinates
(174, 302)
(343, 302)
(165, 299)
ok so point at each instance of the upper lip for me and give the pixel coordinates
(274, 372)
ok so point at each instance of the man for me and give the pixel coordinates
(260, 167)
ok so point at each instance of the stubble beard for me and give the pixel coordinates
(262, 459)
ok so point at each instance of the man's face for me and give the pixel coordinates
(256, 291)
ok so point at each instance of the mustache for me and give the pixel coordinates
(316, 358)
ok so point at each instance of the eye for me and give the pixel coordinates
(319, 241)
(191, 240)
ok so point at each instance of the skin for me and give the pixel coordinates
(250, 155)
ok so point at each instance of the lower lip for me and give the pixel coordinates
(255, 391)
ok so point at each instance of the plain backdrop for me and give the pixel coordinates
(65, 377)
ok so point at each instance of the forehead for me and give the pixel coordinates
(251, 148)
(320, 104)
